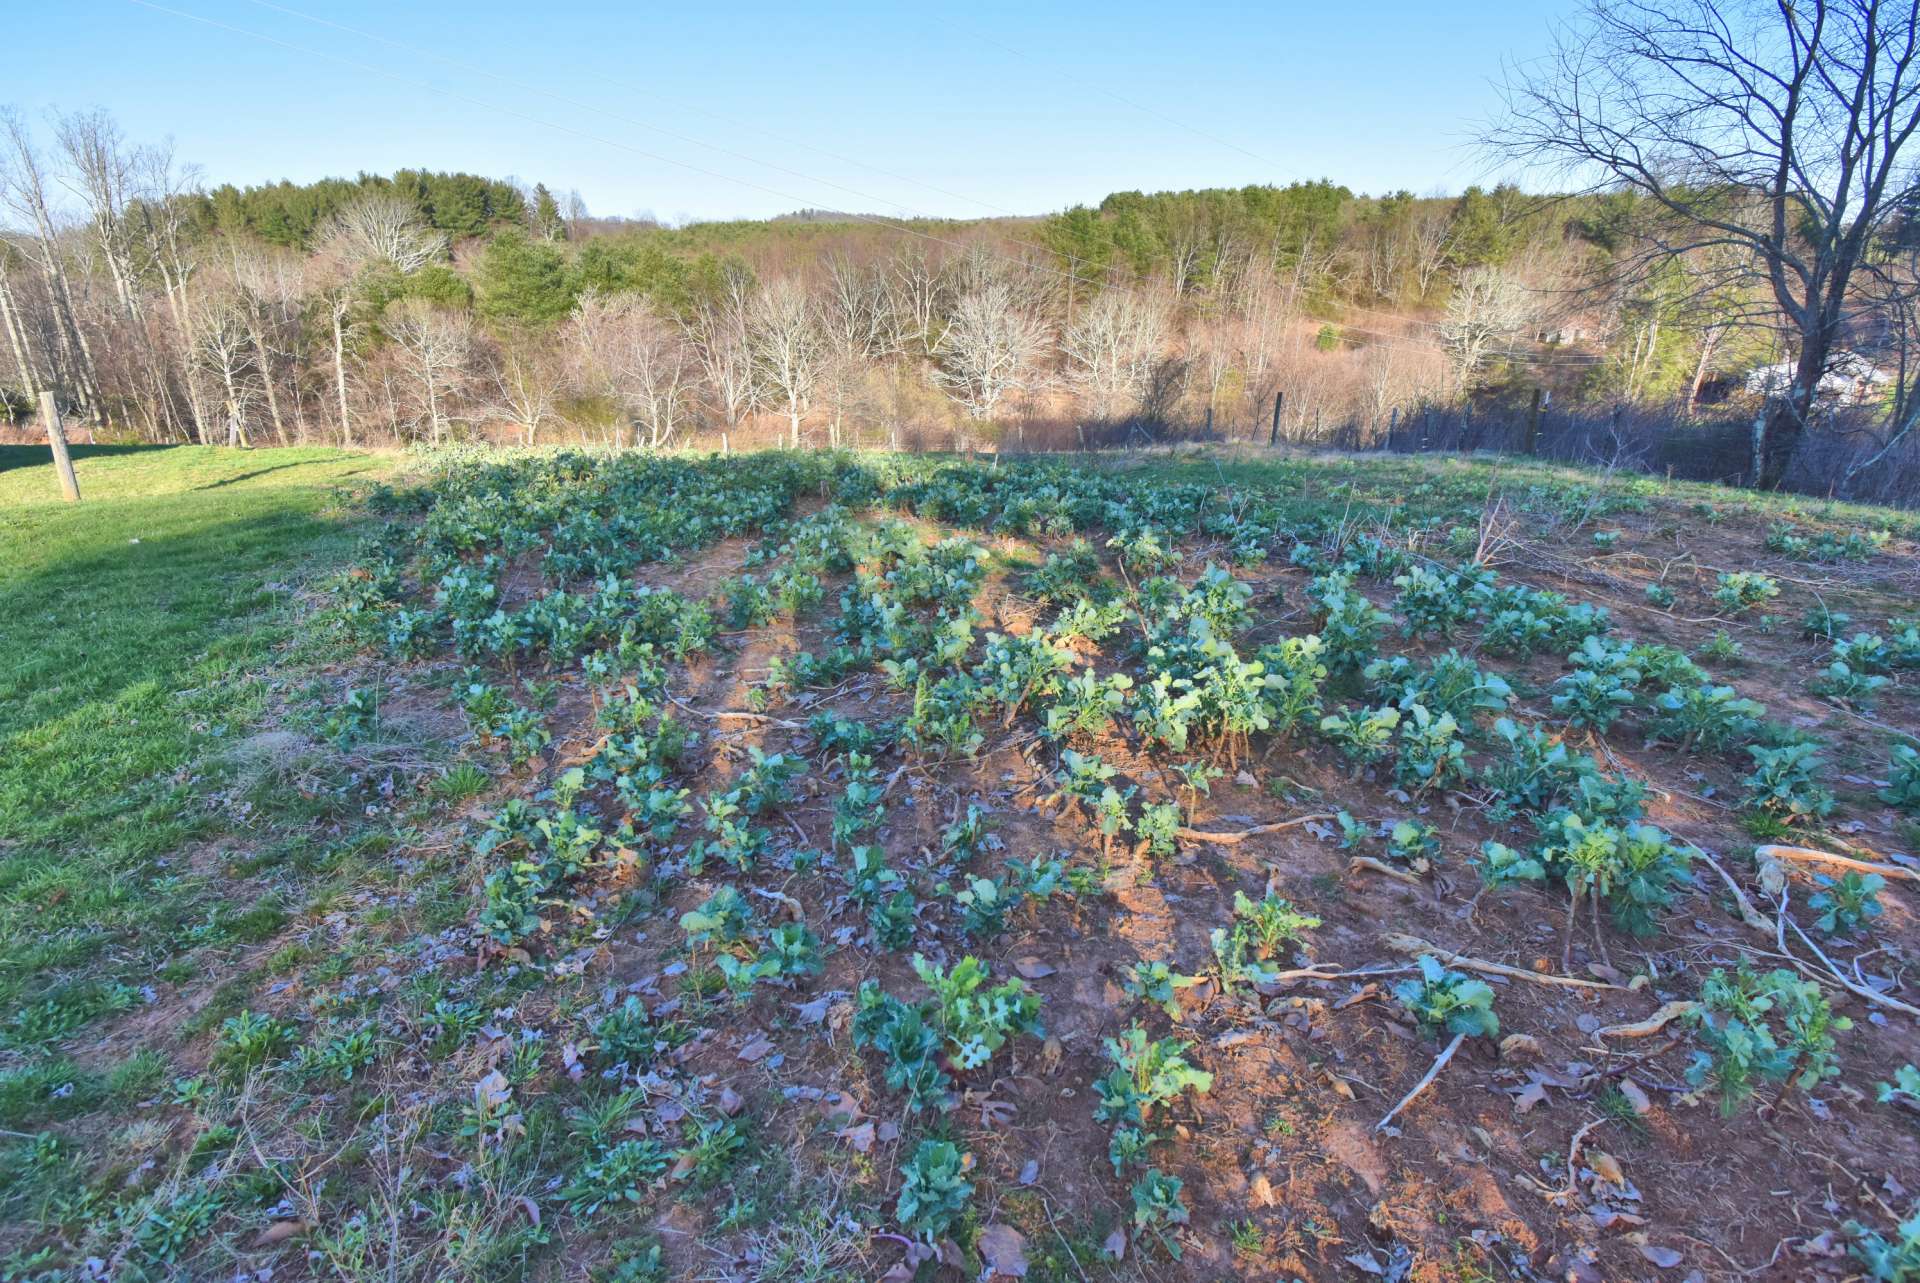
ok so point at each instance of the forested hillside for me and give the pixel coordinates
(427, 306)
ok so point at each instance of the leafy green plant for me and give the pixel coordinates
(1841, 681)
(1903, 785)
(933, 1188)
(709, 1147)
(1295, 672)
(1439, 999)
(1350, 625)
(1431, 602)
(1888, 1260)
(902, 1033)
(1704, 716)
(1431, 752)
(1824, 622)
(1362, 735)
(1158, 1207)
(1086, 705)
(356, 718)
(1158, 827)
(724, 918)
(1784, 784)
(1159, 983)
(1601, 686)
(1741, 590)
(1450, 683)
(1758, 1028)
(1414, 843)
(1538, 772)
(1846, 904)
(250, 1040)
(1146, 1076)
(975, 1016)
(1272, 922)
(619, 1173)
(1904, 1089)
(1722, 648)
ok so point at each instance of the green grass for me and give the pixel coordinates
(137, 626)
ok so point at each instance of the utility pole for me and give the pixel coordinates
(57, 438)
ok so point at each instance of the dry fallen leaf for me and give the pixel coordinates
(1519, 1045)
(1115, 1248)
(1004, 1250)
(1664, 1257)
(280, 1232)
(1606, 1167)
(1032, 968)
(1636, 1096)
(1260, 1192)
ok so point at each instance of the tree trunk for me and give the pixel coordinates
(1709, 341)
(258, 337)
(1785, 421)
(340, 373)
(16, 338)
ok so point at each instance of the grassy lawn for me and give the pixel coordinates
(136, 629)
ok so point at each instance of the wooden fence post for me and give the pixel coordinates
(57, 438)
(1533, 424)
(1273, 437)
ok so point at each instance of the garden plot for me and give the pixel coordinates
(893, 869)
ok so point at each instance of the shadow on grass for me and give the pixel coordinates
(39, 456)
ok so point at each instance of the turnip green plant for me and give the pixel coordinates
(1903, 778)
(1146, 1076)
(1846, 904)
(1157, 982)
(933, 1188)
(1888, 1260)
(1756, 1028)
(1784, 783)
(1158, 1207)
(1442, 1000)
(1741, 590)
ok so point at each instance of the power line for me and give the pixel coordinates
(677, 102)
(800, 201)
(1119, 98)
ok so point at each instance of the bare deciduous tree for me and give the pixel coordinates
(224, 358)
(381, 228)
(989, 347)
(436, 349)
(1112, 347)
(23, 192)
(524, 388)
(1487, 308)
(636, 359)
(789, 349)
(722, 342)
(1702, 106)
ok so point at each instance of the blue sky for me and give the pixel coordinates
(877, 107)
